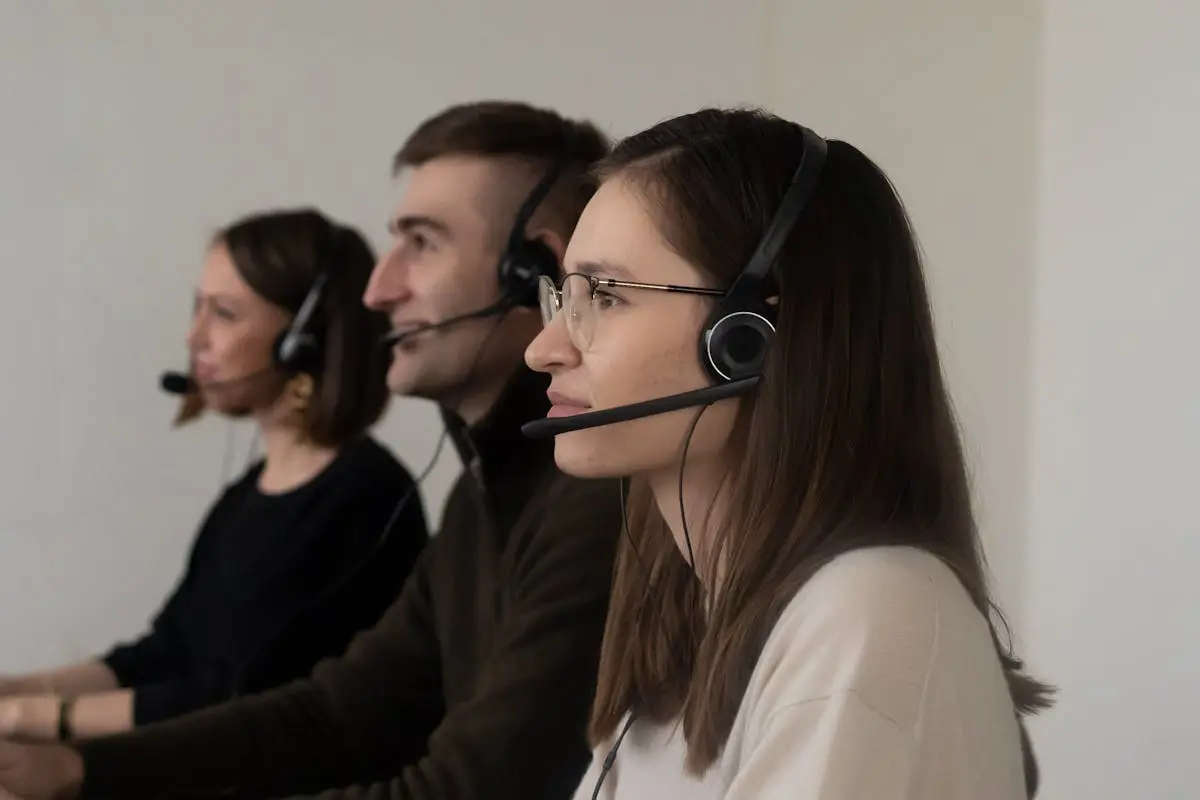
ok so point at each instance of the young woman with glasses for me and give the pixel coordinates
(801, 608)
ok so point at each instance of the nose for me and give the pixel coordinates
(196, 331)
(552, 351)
(388, 286)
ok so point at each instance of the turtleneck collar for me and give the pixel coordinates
(497, 439)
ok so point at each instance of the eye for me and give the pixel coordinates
(605, 299)
(221, 312)
(419, 242)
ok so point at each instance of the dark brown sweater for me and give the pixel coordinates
(476, 683)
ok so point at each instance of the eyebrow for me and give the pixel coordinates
(219, 297)
(201, 294)
(604, 269)
(412, 222)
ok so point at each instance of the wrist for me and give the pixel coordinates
(37, 717)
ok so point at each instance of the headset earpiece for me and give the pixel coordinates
(296, 351)
(524, 264)
(735, 343)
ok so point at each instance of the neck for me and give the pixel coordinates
(482, 396)
(475, 407)
(291, 460)
(703, 501)
(502, 355)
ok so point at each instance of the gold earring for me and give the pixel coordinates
(300, 392)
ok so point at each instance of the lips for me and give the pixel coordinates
(401, 328)
(562, 405)
(404, 335)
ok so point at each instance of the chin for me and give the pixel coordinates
(400, 386)
(403, 377)
(229, 410)
(583, 454)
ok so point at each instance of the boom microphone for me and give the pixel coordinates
(542, 428)
(177, 383)
(395, 337)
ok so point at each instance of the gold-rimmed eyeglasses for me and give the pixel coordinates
(583, 297)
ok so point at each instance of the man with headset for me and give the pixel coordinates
(478, 680)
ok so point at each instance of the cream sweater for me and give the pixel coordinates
(879, 682)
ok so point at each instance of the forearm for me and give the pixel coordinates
(270, 745)
(40, 717)
(365, 714)
(70, 681)
(101, 714)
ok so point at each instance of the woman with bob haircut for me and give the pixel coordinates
(312, 542)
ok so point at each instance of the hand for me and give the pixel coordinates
(40, 771)
(14, 685)
(29, 717)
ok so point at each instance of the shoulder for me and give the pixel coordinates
(221, 514)
(361, 493)
(367, 472)
(367, 457)
(873, 589)
(873, 622)
(577, 511)
(572, 527)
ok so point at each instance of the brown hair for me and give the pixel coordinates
(849, 441)
(509, 129)
(279, 255)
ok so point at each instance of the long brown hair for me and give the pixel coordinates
(849, 441)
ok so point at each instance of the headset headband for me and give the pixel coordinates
(311, 300)
(755, 273)
(559, 165)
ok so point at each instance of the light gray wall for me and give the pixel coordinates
(1114, 612)
(1045, 149)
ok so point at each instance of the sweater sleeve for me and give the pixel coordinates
(523, 733)
(829, 748)
(303, 737)
(307, 610)
(155, 655)
(178, 694)
(160, 652)
(374, 720)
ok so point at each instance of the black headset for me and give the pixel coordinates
(299, 347)
(738, 332)
(526, 260)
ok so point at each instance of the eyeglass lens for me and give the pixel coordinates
(576, 298)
